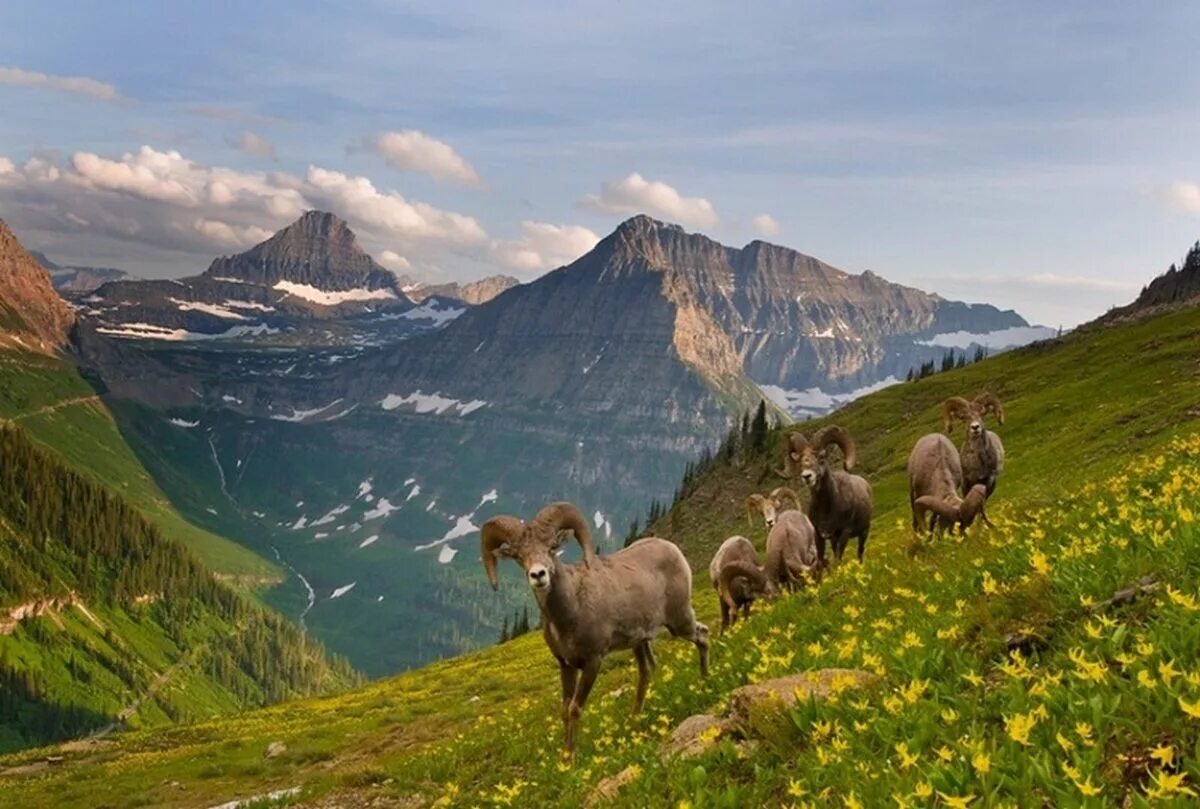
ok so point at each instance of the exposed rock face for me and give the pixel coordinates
(474, 293)
(318, 250)
(31, 313)
(1177, 287)
(311, 270)
(748, 703)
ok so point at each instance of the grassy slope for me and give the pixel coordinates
(1099, 490)
(49, 399)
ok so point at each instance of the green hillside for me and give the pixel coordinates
(105, 622)
(48, 398)
(1101, 490)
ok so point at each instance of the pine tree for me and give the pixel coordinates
(758, 429)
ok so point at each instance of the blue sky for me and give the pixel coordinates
(1037, 156)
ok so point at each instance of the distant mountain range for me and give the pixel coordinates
(75, 282)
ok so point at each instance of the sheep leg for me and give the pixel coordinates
(820, 548)
(645, 664)
(587, 679)
(862, 544)
(726, 622)
(568, 675)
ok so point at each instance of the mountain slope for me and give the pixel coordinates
(98, 610)
(1101, 481)
(473, 292)
(32, 315)
(1177, 287)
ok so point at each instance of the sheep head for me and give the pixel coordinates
(534, 545)
(796, 444)
(971, 413)
(739, 582)
(757, 504)
(781, 493)
(814, 458)
(972, 505)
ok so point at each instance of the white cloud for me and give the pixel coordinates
(164, 200)
(1184, 196)
(1050, 279)
(543, 246)
(411, 150)
(394, 261)
(766, 225)
(253, 144)
(636, 194)
(76, 85)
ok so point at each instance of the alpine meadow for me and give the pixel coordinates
(436, 415)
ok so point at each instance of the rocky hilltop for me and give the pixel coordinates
(32, 314)
(474, 292)
(1179, 286)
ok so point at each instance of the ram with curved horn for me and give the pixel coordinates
(982, 452)
(599, 605)
(841, 503)
(740, 592)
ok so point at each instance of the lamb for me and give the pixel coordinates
(982, 452)
(955, 510)
(739, 589)
(841, 502)
(599, 605)
(792, 549)
(934, 475)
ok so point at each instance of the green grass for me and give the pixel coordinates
(1100, 489)
(56, 406)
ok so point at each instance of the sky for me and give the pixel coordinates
(1036, 156)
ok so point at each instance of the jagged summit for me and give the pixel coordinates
(31, 312)
(319, 249)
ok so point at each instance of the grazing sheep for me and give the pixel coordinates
(736, 593)
(841, 502)
(791, 538)
(739, 583)
(599, 605)
(934, 471)
(955, 510)
(982, 452)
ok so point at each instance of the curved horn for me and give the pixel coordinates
(563, 516)
(783, 491)
(754, 507)
(990, 402)
(946, 509)
(743, 570)
(494, 533)
(956, 407)
(841, 437)
(796, 443)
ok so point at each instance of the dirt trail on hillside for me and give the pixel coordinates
(50, 408)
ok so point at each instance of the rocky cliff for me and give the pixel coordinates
(32, 314)
(474, 292)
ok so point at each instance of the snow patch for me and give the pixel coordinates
(371, 540)
(382, 509)
(228, 398)
(300, 523)
(416, 490)
(330, 516)
(341, 591)
(461, 528)
(148, 331)
(257, 307)
(336, 297)
(815, 402)
(364, 490)
(446, 554)
(1004, 338)
(301, 415)
(431, 403)
(432, 312)
(185, 424)
(207, 308)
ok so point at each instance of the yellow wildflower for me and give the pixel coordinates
(906, 759)
(956, 802)
(1166, 784)
(1019, 726)
(1164, 755)
(1192, 709)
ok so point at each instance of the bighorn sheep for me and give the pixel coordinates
(738, 590)
(934, 475)
(841, 502)
(599, 605)
(955, 510)
(982, 453)
(792, 548)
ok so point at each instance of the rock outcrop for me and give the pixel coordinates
(32, 315)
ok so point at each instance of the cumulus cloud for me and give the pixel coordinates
(1183, 196)
(411, 150)
(163, 200)
(766, 225)
(394, 261)
(636, 194)
(543, 246)
(76, 85)
(253, 144)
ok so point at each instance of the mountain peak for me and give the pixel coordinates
(319, 249)
(643, 223)
(28, 303)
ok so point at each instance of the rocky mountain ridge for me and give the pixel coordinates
(32, 315)
(472, 292)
